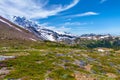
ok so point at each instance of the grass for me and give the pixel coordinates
(57, 62)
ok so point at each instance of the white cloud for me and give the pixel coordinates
(31, 8)
(74, 24)
(84, 14)
(58, 29)
(102, 1)
(71, 5)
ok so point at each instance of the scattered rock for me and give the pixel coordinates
(111, 64)
(2, 64)
(60, 54)
(118, 71)
(3, 72)
(91, 59)
(39, 62)
(2, 58)
(80, 63)
(101, 50)
(84, 55)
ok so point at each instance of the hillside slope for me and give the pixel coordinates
(10, 31)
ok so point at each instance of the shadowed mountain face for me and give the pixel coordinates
(10, 31)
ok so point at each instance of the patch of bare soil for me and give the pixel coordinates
(80, 76)
(88, 67)
(111, 75)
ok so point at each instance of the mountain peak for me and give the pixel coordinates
(24, 22)
(42, 32)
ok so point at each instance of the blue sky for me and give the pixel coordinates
(74, 16)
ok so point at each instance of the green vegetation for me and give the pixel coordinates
(106, 43)
(53, 61)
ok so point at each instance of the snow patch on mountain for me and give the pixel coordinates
(42, 32)
(32, 39)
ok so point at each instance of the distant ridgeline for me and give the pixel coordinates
(95, 42)
(24, 32)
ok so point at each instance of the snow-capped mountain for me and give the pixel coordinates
(41, 32)
(95, 36)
